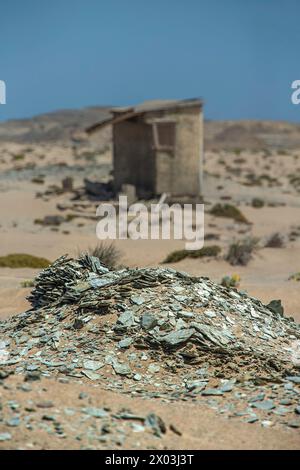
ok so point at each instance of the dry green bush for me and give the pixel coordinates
(23, 260)
(178, 255)
(29, 283)
(257, 202)
(228, 211)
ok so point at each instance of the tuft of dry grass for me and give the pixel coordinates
(276, 240)
(240, 252)
(108, 254)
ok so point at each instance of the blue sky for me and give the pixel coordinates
(241, 56)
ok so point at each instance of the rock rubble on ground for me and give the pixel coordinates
(157, 333)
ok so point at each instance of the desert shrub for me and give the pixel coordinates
(38, 221)
(70, 217)
(22, 260)
(267, 153)
(276, 240)
(269, 179)
(295, 277)
(178, 255)
(294, 180)
(211, 236)
(228, 211)
(38, 180)
(240, 252)
(18, 157)
(29, 283)
(294, 234)
(257, 202)
(109, 255)
(252, 180)
(89, 155)
(239, 161)
(53, 220)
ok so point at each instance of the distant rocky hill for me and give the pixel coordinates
(57, 126)
(63, 126)
(251, 135)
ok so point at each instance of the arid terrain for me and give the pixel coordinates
(252, 166)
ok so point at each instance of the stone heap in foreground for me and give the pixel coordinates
(158, 333)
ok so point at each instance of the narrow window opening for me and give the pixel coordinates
(164, 134)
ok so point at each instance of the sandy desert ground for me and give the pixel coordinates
(27, 172)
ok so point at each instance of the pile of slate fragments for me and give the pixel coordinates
(158, 333)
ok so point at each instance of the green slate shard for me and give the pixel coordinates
(148, 321)
(295, 379)
(125, 343)
(91, 375)
(211, 392)
(92, 365)
(121, 369)
(126, 319)
(264, 405)
(95, 412)
(137, 299)
(176, 338)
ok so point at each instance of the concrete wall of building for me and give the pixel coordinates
(133, 156)
(153, 170)
(179, 172)
(187, 156)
